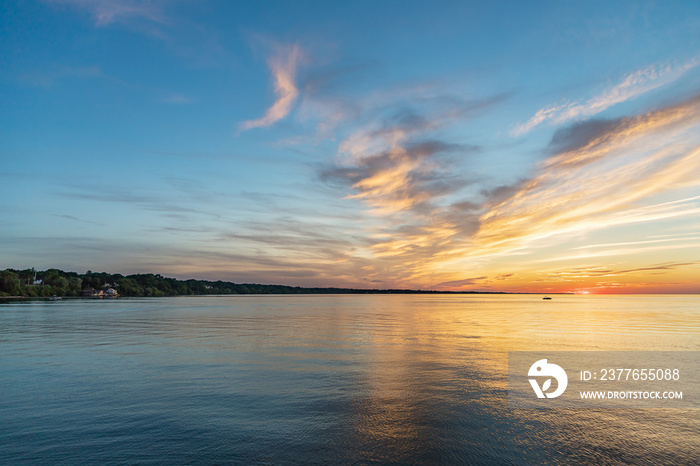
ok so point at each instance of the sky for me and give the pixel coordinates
(483, 145)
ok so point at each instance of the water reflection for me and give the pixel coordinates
(324, 379)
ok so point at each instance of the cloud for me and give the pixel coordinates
(175, 98)
(106, 12)
(634, 243)
(119, 195)
(461, 283)
(164, 20)
(600, 177)
(597, 176)
(286, 244)
(48, 77)
(396, 163)
(401, 166)
(404, 177)
(627, 251)
(283, 66)
(484, 282)
(76, 219)
(603, 271)
(633, 85)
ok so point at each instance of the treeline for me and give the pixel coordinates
(54, 282)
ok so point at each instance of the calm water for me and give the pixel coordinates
(396, 379)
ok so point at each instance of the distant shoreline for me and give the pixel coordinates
(373, 292)
(30, 283)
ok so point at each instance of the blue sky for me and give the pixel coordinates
(518, 146)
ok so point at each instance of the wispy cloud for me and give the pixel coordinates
(106, 12)
(175, 98)
(283, 66)
(200, 44)
(633, 85)
(118, 195)
(599, 271)
(592, 180)
(463, 282)
(48, 77)
(624, 251)
(400, 165)
(598, 181)
(635, 243)
(483, 282)
(399, 159)
(76, 219)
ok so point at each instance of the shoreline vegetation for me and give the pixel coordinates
(30, 283)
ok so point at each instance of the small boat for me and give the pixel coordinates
(546, 297)
(55, 298)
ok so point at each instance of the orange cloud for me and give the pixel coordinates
(597, 183)
(283, 66)
(436, 226)
(596, 179)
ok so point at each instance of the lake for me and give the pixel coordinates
(325, 379)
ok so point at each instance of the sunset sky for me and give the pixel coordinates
(507, 146)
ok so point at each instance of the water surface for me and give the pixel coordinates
(355, 379)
